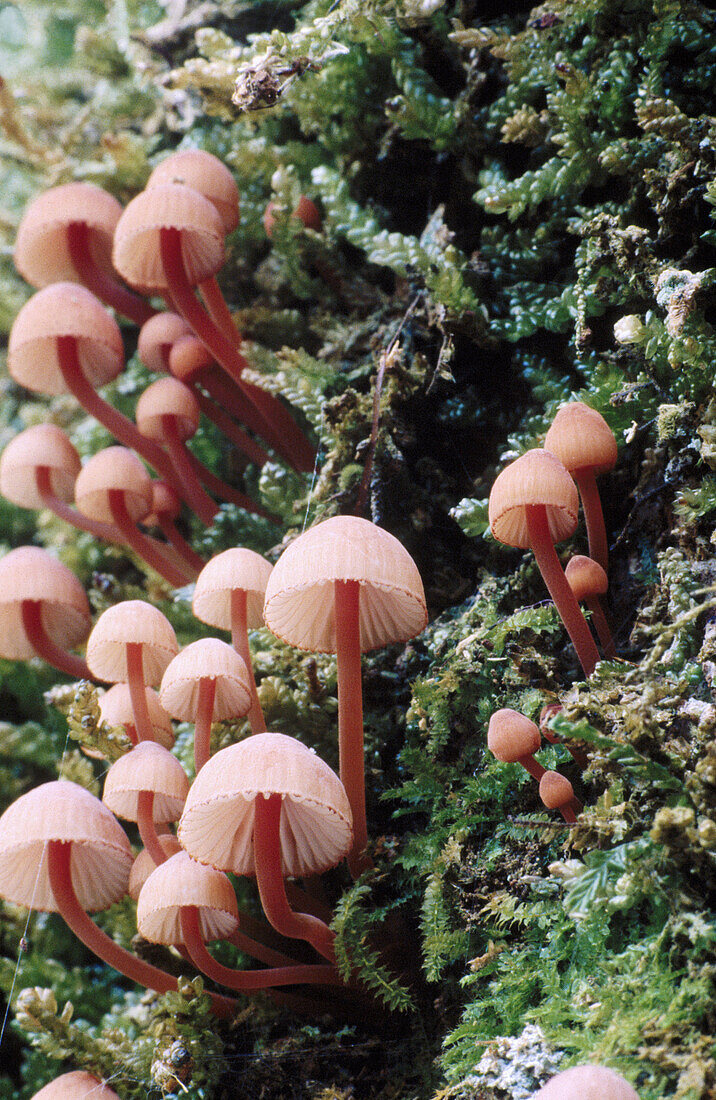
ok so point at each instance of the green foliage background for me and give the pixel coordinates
(500, 186)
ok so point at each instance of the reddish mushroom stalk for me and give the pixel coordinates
(248, 979)
(218, 310)
(103, 286)
(233, 400)
(115, 422)
(151, 977)
(532, 766)
(198, 500)
(137, 693)
(174, 537)
(272, 889)
(104, 531)
(558, 587)
(224, 491)
(601, 625)
(350, 714)
(244, 444)
(202, 725)
(44, 646)
(147, 548)
(240, 642)
(147, 826)
(593, 514)
(267, 416)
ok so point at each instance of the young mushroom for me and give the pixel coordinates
(132, 643)
(512, 738)
(144, 864)
(585, 445)
(346, 586)
(76, 1085)
(43, 610)
(533, 504)
(588, 581)
(65, 235)
(557, 793)
(270, 807)
(229, 593)
(206, 682)
(147, 785)
(587, 1082)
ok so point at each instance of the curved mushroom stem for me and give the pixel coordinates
(601, 625)
(570, 810)
(562, 595)
(350, 715)
(269, 879)
(240, 642)
(202, 723)
(147, 549)
(59, 856)
(243, 443)
(229, 397)
(147, 827)
(218, 310)
(258, 950)
(103, 286)
(120, 426)
(196, 498)
(226, 492)
(532, 766)
(104, 531)
(593, 515)
(268, 417)
(174, 537)
(137, 692)
(44, 646)
(319, 974)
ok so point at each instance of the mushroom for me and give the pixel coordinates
(346, 586)
(43, 610)
(533, 504)
(588, 581)
(304, 211)
(557, 793)
(64, 341)
(166, 507)
(512, 738)
(115, 708)
(229, 593)
(184, 903)
(585, 445)
(157, 337)
(270, 807)
(132, 643)
(144, 864)
(147, 785)
(587, 1082)
(38, 469)
(171, 238)
(76, 1085)
(114, 487)
(206, 682)
(65, 235)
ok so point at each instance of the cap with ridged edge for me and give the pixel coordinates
(231, 570)
(205, 173)
(535, 478)
(30, 573)
(131, 621)
(147, 767)
(182, 881)
(207, 658)
(42, 445)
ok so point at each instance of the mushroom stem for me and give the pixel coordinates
(232, 399)
(601, 625)
(120, 426)
(147, 549)
(104, 531)
(196, 498)
(147, 827)
(102, 285)
(44, 646)
(558, 587)
(570, 810)
(224, 491)
(240, 642)
(593, 515)
(272, 889)
(59, 856)
(218, 310)
(247, 979)
(350, 715)
(137, 692)
(258, 950)
(268, 417)
(175, 538)
(244, 444)
(532, 766)
(202, 724)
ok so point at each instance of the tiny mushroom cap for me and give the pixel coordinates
(179, 882)
(536, 478)
(165, 503)
(205, 173)
(42, 254)
(236, 568)
(115, 708)
(131, 621)
(137, 252)
(42, 445)
(511, 735)
(144, 864)
(113, 468)
(218, 821)
(159, 332)
(187, 356)
(586, 577)
(77, 1085)
(587, 1082)
(299, 606)
(212, 659)
(148, 767)
(62, 811)
(555, 790)
(63, 309)
(167, 397)
(580, 436)
(30, 573)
